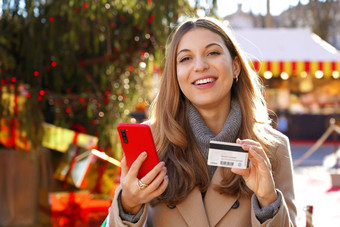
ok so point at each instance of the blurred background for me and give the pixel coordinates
(70, 71)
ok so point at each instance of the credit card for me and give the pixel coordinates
(226, 154)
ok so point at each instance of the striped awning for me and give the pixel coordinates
(297, 67)
(290, 51)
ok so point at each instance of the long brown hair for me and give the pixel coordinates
(173, 136)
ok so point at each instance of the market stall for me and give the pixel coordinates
(301, 73)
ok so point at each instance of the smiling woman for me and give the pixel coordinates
(208, 92)
(205, 72)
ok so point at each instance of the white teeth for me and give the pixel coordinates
(204, 81)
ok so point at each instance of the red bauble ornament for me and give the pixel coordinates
(36, 73)
(13, 80)
(54, 64)
(51, 19)
(41, 92)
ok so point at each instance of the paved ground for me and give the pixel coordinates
(313, 186)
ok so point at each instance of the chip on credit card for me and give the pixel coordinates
(226, 154)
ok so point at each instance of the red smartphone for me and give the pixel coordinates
(135, 139)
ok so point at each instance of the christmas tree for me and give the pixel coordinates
(82, 64)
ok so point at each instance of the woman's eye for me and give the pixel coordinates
(214, 53)
(184, 59)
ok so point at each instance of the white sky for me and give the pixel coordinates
(226, 7)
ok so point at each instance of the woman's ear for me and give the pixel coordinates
(236, 67)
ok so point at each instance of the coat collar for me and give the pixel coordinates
(217, 205)
(192, 209)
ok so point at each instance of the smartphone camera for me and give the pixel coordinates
(124, 135)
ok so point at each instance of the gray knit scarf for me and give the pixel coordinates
(203, 135)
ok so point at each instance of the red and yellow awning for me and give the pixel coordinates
(297, 68)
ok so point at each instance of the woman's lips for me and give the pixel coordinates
(205, 82)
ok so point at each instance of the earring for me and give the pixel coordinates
(236, 79)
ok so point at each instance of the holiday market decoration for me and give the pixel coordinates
(84, 64)
(287, 52)
(70, 71)
(74, 208)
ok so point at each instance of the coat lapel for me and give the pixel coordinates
(217, 205)
(192, 209)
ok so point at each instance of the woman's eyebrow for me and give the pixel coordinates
(207, 46)
(212, 44)
(183, 50)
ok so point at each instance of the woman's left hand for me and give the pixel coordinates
(258, 176)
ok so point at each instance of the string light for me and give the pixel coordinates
(268, 75)
(284, 76)
(335, 74)
(318, 74)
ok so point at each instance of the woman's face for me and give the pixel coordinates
(205, 69)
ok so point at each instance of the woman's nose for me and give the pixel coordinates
(200, 64)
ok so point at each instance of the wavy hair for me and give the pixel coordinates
(173, 136)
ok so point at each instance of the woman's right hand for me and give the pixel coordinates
(133, 197)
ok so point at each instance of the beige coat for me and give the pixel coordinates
(217, 209)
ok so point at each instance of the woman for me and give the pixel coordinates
(208, 92)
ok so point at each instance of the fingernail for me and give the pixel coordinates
(166, 178)
(164, 169)
(144, 154)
